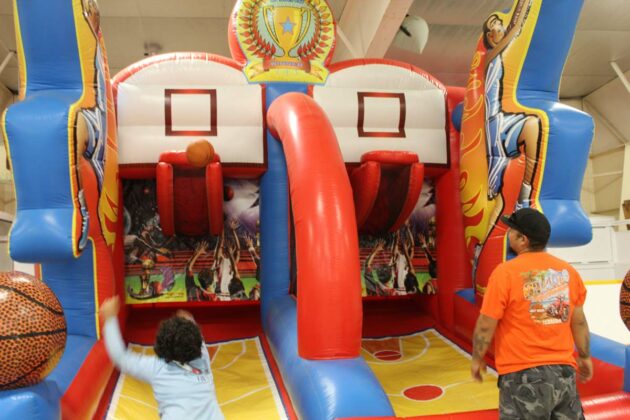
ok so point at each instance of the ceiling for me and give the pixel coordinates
(603, 35)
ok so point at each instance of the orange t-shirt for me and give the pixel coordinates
(533, 297)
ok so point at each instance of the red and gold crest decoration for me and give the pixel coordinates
(283, 40)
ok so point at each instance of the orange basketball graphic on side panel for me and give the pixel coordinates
(200, 153)
(624, 300)
(32, 330)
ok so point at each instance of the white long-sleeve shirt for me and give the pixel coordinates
(180, 393)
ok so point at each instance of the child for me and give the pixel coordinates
(180, 374)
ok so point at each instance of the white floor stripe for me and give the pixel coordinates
(402, 352)
(139, 401)
(238, 356)
(240, 397)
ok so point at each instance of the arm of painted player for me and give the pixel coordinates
(582, 339)
(482, 337)
(512, 30)
(378, 247)
(249, 242)
(234, 256)
(202, 248)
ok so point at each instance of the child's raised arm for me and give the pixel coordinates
(135, 364)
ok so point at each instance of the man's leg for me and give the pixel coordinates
(526, 394)
(569, 407)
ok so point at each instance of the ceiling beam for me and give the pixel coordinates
(620, 74)
(368, 27)
(595, 112)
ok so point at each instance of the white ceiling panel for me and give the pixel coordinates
(123, 41)
(579, 86)
(611, 15)
(457, 12)
(167, 8)
(188, 34)
(7, 34)
(592, 52)
(613, 101)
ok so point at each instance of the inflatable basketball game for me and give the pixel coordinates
(323, 222)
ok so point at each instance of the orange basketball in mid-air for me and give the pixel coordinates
(200, 153)
(32, 330)
(624, 300)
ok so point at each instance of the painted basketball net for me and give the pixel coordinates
(285, 41)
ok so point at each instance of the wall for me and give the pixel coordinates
(609, 163)
(7, 193)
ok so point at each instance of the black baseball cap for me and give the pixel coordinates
(531, 223)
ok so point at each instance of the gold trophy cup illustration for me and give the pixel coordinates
(287, 26)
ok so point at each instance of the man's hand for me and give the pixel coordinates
(110, 308)
(585, 369)
(477, 368)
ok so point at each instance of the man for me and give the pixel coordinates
(534, 302)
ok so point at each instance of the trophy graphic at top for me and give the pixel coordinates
(287, 26)
(284, 40)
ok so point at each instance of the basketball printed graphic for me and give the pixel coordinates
(32, 330)
(624, 300)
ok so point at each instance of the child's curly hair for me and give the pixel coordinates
(178, 339)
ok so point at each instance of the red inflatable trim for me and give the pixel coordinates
(390, 156)
(164, 192)
(609, 406)
(327, 247)
(214, 196)
(178, 157)
(416, 179)
(365, 180)
(84, 393)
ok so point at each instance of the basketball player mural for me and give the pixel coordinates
(507, 134)
(95, 133)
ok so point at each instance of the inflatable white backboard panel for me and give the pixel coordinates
(166, 105)
(386, 107)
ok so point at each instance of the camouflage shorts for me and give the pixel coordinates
(541, 392)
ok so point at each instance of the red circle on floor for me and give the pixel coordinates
(423, 392)
(388, 355)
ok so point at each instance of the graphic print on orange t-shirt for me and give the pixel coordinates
(548, 294)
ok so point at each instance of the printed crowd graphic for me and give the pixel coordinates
(184, 268)
(226, 268)
(403, 262)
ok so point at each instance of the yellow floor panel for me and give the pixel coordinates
(243, 382)
(424, 374)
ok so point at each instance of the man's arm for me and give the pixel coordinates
(582, 339)
(482, 337)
